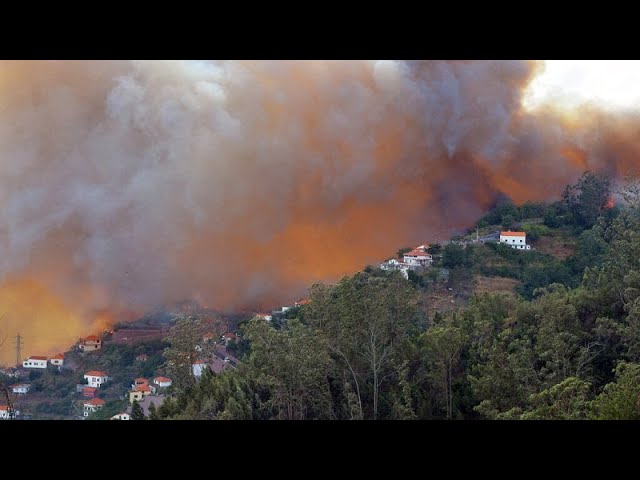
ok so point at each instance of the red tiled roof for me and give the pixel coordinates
(58, 356)
(417, 252)
(3, 408)
(95, 373)
(161, 379)
(142, 388)
(89, 389)
(95, 402)
(92, 338)
(141, 380)
(36, 357)
(513, 234)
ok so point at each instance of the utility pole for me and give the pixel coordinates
(18, 348)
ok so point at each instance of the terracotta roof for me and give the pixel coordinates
(95, 402)
(92, 338)
(95, 373)
(513, 234)
(142, 388)
(161, 379)
(304, 301)
(36, 357)
(58, 356)
(89, 389)
(3, 408)
(417, 252)
(141, 380)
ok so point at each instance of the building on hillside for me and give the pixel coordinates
(96, 378)
(35, 362)
(57, 359)
(139, 392)
(418, 257)
(89, 392)
(90, 344)
(162, 382)
(198, 368)
(10, 372)
(92, 406)
(517, 240)
(394, 264)
(300, 303)
(142, 358)
(121, 416)
(228, 337)
(139, 382)
(21, 388)
(265, 316)
(5, 414)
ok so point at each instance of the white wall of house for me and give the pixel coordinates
(57, 361)
(21, 389)
(4, 412)
(95, 381)
(89, 409)
(198, 369)
(34, 363)
(518, 242)
(121, 416)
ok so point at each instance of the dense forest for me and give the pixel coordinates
(565, 345)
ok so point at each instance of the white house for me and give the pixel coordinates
(93, 405)
(121, 416)
(4, 412)
(418, 256)
(21, 389)
(35, 362)
(162, 382)
(57, 360)
(95, 378)
(517, 240)
(198, 368)
(264, 316)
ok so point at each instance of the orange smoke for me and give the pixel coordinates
(126, 186)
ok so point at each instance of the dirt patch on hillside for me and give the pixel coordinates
(559, 247)
(495, 284)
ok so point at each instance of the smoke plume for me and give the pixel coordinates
(125, 185)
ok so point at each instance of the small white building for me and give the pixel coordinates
(395, 264)
(517, 240)
(198, 368)
(35, 362)
(57, 360)
(264, 316)
(4, 412)
(92, 406)
(121, 416)
(162, 382)
(21, 389)
(95, 378)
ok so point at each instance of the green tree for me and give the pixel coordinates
(136, 411)
(587, 199)
(620, 400)
(567, 400)
(454, 255)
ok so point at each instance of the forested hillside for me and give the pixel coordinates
(564, 344)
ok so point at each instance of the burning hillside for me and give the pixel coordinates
(129, 184)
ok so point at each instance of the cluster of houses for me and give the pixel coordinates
(36, 361)
(415, 259)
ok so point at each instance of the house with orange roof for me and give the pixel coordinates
(139, 392)
(516, 240)
(162, 382)
(95, 378)
(299, 303)
(92, 406)
(418, 257)
(265, 316)
(35, 361)
(5, 414)
(90, 344)
(57, 359)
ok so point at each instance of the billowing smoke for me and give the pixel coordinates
(126, 185)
